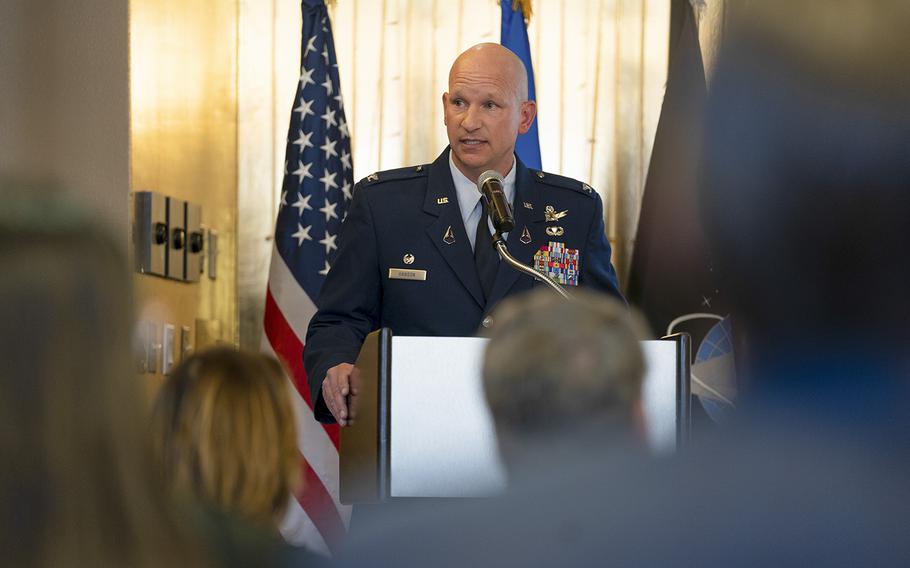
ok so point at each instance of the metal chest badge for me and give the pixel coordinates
(558, 263)
(551, 215)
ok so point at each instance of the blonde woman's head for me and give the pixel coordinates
(224, 430)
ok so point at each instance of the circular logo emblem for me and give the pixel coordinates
(409, 258)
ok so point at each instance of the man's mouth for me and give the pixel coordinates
(471, 141)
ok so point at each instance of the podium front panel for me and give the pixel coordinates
(659, 394)
(442, 441)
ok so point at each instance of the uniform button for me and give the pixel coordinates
(487, 321)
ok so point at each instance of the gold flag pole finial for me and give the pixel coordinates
(525, 6)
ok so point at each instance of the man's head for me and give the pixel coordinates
(486, 108)
(554, 368)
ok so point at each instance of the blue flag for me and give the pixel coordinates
(515, 37)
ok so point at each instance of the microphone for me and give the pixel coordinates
(490, 185)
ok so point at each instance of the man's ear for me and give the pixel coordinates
(527, 111)
(445, 102)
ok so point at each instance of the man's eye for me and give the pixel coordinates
(490, 105)
(458, 102)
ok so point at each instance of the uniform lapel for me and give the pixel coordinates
(441, 204)
(526, 191)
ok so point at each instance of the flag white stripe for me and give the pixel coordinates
(298, 529)
(315, 446)
(292, 301)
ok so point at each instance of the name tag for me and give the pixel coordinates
(407, 274)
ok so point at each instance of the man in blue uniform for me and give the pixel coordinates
(415, 253)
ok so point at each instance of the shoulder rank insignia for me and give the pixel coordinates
(550, 214)
(372, 177)
(558, 263)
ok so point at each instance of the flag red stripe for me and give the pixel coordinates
(290, 350)
(318, 505)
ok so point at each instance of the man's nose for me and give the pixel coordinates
(471, 120)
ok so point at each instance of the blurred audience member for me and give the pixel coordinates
(77, 486)
(223, 428)
(558, 371)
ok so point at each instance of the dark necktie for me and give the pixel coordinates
(485, 257)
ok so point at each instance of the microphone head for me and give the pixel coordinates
(489, 175)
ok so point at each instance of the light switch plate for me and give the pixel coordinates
(167, 351)
(186, 342)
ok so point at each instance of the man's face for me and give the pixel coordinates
(483, 118)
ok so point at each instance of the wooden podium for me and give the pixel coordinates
(432, 434)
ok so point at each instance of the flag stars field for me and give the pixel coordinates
(329, 210)
(302, 234)
(329, 118)
(305, 108)
(306, 76)
(302, 203)
(329, 148)
(303, 139)
(329, 180)
(328, 86)
(303, 170)
(329, 242)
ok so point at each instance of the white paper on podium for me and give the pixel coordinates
(442, 437)
(444, 445)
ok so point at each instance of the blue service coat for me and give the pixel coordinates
(408, 212)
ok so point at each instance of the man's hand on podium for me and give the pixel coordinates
(335, 390)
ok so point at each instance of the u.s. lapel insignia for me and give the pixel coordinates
(550, 214)
(555, 231)
(525, 236)
(558, 263)
(449, 237)
(527, 205)
(442, 200)
(408, 258)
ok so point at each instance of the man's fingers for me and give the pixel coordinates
(336, 388)
(334, 401)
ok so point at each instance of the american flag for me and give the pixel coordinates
(316, 192)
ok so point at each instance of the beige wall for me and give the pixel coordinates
(64, 99)
(184, 143)
(106, 98)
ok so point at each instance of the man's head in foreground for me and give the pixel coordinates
(555, 368)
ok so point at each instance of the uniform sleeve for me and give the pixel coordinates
(597, 270)
(348, 305)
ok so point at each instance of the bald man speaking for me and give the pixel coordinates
(415, 253)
